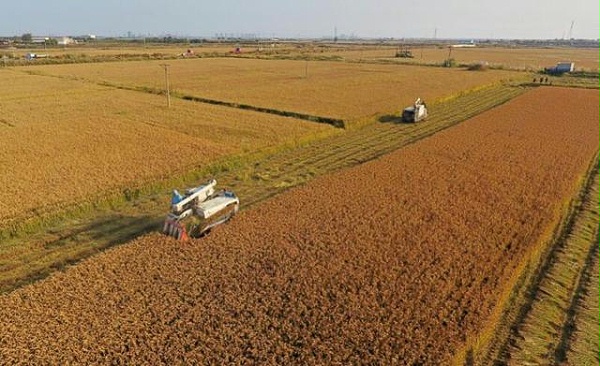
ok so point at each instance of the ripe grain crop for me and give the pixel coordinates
(326, 89)
(253, 180)
(63, 140)
(396, 261)
(83, 51)
(509, 58)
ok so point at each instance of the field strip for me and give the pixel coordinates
(367, 143)
(536, 323)
(540, 335)
(582, 345)
(35, 253)
(336, 122)
(285, 170)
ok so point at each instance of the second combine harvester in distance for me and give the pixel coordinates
(415, 112)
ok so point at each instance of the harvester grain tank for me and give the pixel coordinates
(416, 112)
(199, 210)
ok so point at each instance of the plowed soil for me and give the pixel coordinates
(395, 261)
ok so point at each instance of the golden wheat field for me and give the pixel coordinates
(63, 140)
(140, 49)
(396, 261)
(510, 58)
(327, 89)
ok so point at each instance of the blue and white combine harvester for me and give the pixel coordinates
(194, 214)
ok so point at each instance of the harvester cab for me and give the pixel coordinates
(200, 209)
(416, 112)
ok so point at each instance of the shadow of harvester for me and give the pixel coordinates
(390, 118)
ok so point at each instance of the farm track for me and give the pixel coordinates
(50, 249)
(543, 332)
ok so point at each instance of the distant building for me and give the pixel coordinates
(39, 40)
(465, 44)
(64, 41)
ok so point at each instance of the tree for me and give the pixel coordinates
(26, 37)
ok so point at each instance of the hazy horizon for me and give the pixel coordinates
(515, 19)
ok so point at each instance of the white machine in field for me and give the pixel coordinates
(199, 210)
(416, 112)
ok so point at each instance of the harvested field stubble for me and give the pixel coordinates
(395, 261)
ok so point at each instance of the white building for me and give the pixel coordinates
(64, 41)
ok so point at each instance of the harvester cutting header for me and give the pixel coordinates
(199, 210)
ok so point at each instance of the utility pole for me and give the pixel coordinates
(166, 67)
(306, 70)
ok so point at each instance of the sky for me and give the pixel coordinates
(458, 19)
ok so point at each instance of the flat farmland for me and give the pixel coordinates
(64, 140)
(254, 181)
(395, 261)
(328, 89)
(126, 49)
(510, 58)
(80, 51)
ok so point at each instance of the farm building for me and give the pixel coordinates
(64, 41)
(561, 68)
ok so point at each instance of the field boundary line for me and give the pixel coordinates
(335, 122)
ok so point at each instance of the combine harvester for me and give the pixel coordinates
(415, 112)
(199, 210)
